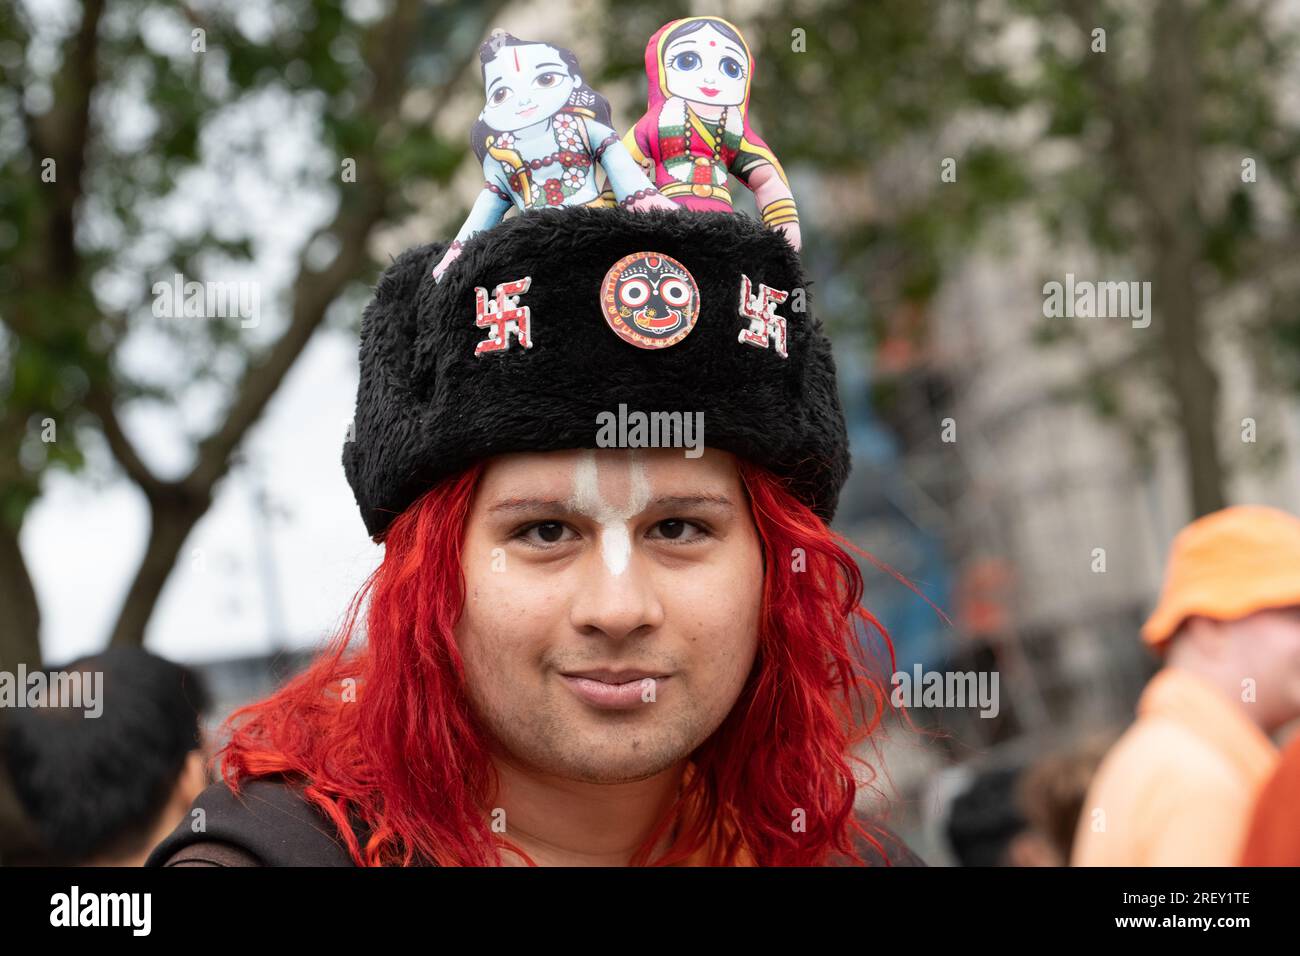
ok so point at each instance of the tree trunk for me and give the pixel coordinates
(171, 519)
(1178, 226)
(1159, 161)
(21, 618)
(19, 644)
(1192, 381)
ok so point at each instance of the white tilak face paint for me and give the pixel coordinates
(615, 535)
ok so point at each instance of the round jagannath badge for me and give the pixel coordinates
(650, 300)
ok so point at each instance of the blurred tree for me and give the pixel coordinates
(1162, 146)
(1136, 151)
(1186, 163)
(108, 123)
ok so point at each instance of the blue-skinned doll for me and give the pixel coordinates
(540, 138)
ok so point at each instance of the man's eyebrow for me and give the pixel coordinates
(549, 63)
(564, 505)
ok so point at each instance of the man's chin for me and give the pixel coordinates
(613, 772)
(617, 761)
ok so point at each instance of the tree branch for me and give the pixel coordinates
(387, 49)
(100, 404)
(314, 291)
(1128, 138)
(68, 126)
(362, 208)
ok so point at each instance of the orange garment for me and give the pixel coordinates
(1227, 565)
(1179, 786)
(1274, 835)
(704, 854)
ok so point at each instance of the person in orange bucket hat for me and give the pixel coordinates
(1179, 786)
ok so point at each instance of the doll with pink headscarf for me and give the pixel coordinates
(696, 126)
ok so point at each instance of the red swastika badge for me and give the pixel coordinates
(502, 315)
(764, 324)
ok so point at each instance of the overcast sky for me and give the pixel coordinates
(242, 581)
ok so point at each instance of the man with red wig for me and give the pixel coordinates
(611, 626)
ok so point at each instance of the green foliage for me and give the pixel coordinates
(79, 256)
(1111, 153)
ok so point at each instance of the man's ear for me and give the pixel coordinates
(193, 778)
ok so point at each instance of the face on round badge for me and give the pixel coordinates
(650, 300)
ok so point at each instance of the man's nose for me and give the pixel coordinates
(616, 604)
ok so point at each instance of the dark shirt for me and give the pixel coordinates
(270, 823)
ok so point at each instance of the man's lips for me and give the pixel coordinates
(708, 91)
(610, 676)
(527, 112)
(615, 690)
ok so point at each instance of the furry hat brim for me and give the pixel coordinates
(428, 405)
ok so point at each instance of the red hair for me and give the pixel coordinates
(383, 736)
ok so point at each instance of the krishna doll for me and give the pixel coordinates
(540, 137)
(696, 126)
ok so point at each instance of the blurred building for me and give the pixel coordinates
(1057, 529)
(233, 682)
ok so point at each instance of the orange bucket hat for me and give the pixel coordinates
(1227, 565)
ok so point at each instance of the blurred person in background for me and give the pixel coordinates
(1179, 787)
(987, 826)
(1274, 835)
(1024, 816)
(1051, 796)
(103, 790)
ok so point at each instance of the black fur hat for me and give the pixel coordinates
(445, 381)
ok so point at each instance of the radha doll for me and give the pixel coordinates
(540, 136)
(696, 126)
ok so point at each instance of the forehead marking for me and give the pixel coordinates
(615, 536)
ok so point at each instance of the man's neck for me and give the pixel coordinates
(561, 822)
(136, 857)
(1227, 681)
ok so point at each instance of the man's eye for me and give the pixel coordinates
(501, 95)
(547, 80)
(542, 533)
(679, 529)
